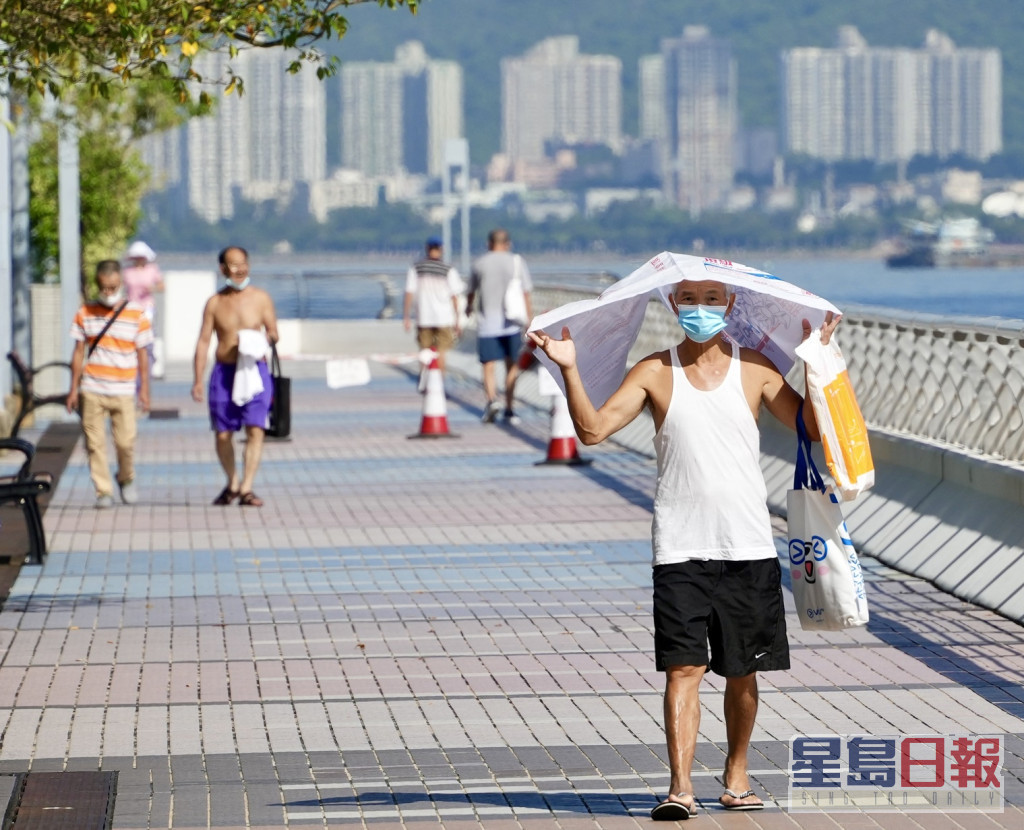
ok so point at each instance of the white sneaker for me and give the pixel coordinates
(104, 502)
(511, 419)
(491, 412)
(128, 494)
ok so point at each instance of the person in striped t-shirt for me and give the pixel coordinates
(433, 288)
(103, 378)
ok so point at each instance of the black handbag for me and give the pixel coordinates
(279, 422)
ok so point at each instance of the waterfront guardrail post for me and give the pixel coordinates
(390, 298)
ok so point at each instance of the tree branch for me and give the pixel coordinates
(53, 44)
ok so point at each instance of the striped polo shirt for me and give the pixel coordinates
(433, 284)
(114, 363)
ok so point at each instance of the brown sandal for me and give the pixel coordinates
(227, 495)
(250, 500)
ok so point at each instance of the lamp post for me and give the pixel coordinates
(21, 283)
(456, 165)
(69, 232)
(6, 271)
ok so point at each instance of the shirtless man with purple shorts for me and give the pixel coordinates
(236, 308)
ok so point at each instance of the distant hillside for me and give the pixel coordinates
(477, 33)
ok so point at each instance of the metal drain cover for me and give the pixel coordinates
(62, 801)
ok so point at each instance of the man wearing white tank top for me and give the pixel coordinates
(717, 579)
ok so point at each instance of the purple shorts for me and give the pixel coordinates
(225, 414)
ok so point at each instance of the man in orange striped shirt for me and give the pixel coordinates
(103, 378)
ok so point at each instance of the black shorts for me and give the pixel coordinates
(736, 607)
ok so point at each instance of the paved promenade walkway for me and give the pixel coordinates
(426, 633)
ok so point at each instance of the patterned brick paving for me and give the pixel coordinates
(427, 631)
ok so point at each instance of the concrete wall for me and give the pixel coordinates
(946, 513)
(181, 318)
(311, 339)
(186, 294)
(47, 347)
(954, 519)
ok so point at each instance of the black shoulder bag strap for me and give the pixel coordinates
(105, 329)
(275, 362)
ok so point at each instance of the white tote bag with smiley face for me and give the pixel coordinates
(828, 583)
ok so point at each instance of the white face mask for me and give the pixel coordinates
(238, 286)
(111, 300)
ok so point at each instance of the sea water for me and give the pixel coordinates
(954, 292)
(363, 289)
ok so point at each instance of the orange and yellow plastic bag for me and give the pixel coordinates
(843, 431)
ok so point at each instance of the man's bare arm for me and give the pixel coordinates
(143, 369)
(594, 425)
(455, 311)
(202, 350)
(77, 364)
(783, 402)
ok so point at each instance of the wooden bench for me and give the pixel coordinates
(24, 488)
(30, 401)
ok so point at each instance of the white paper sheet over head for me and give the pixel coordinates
(767, 316)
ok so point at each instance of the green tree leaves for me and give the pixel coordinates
(126, 68)
(113, 181)
(112, 176)
(52, 46)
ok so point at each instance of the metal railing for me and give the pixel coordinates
(308, 294)
(954, 382)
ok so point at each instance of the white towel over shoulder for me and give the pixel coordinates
(252, 347)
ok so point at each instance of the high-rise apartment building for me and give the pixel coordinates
(553, 95)
(815, 103)
(694, 78)
(652, 97)
(900, 115)
(444, 111)
(287, 119)
(431, 107)
(371, 118)
(270, 138)
(966, 98)
(217, 158)
(858, 102)
(397, 116)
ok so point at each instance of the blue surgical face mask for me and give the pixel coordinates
(702, 322)
(238, 286)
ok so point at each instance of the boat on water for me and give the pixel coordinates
(948, 243)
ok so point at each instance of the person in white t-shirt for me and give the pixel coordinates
(717, 579)
(432, 291)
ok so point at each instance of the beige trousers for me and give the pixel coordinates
(121, 409)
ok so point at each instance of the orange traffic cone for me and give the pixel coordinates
(435, 407)
(562, 446)
(526, 356)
